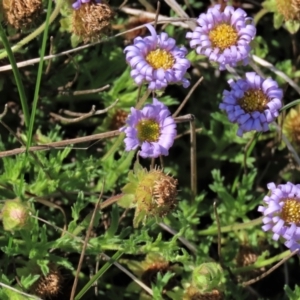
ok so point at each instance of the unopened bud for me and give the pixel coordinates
(153, 193)
(15, 215)
(207, 277)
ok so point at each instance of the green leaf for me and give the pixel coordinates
(126, 201)
(292, 26)
(278, 20)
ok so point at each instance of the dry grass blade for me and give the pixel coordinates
(85, 246)
(82, 116)
(63, 143)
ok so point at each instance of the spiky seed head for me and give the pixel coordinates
(91, 20)
(291, 126)
(290, 9)
(50, 285)
(21, 13)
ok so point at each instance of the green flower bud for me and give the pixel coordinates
(15, 215)
(153, 193)
(207, 277)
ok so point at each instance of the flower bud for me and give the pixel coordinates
(21, 13)
(15, 215)
(153, 193)
(207, 277)
(291, 127)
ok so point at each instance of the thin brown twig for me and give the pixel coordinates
(174, 21)
(85, 246)
(4, 112)
(86, 92)
(193, 158)
(83, 139)
(156, 14)
(249, 282)
(191, 91)
(50, 53)
(187, 132)
(63, 143)
(82, 116)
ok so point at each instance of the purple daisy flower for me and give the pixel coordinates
(76, 5)
(157, 60)
(282, 213)
(223, 36)
(252, 102)
(153, 128)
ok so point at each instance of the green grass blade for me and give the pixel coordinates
(17, 75)
(39, 77)
(287, 106)
(106, 266)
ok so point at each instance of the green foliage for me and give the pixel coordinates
(81, 200)
(292, 294)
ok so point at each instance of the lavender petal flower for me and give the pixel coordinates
(153, 128)
(282, 213)
(253, 102)
(157, 61)
(224, 37)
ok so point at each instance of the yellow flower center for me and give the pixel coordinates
(223, 36)
(148, 130)
(160, 58)
(291, 211)
(254, 100)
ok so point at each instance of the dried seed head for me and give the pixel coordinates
(246, 256)
(90, 20)
(150, 274)
(21, 13)
(15, 215)
(50, 285)
(156, 193)
(193, 293)
(152, 193)
(291, 126)
(290, 9)
(118, 119)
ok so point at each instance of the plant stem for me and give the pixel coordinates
(17, 75)
(263, 263)
(37, 32)
(233, 227)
